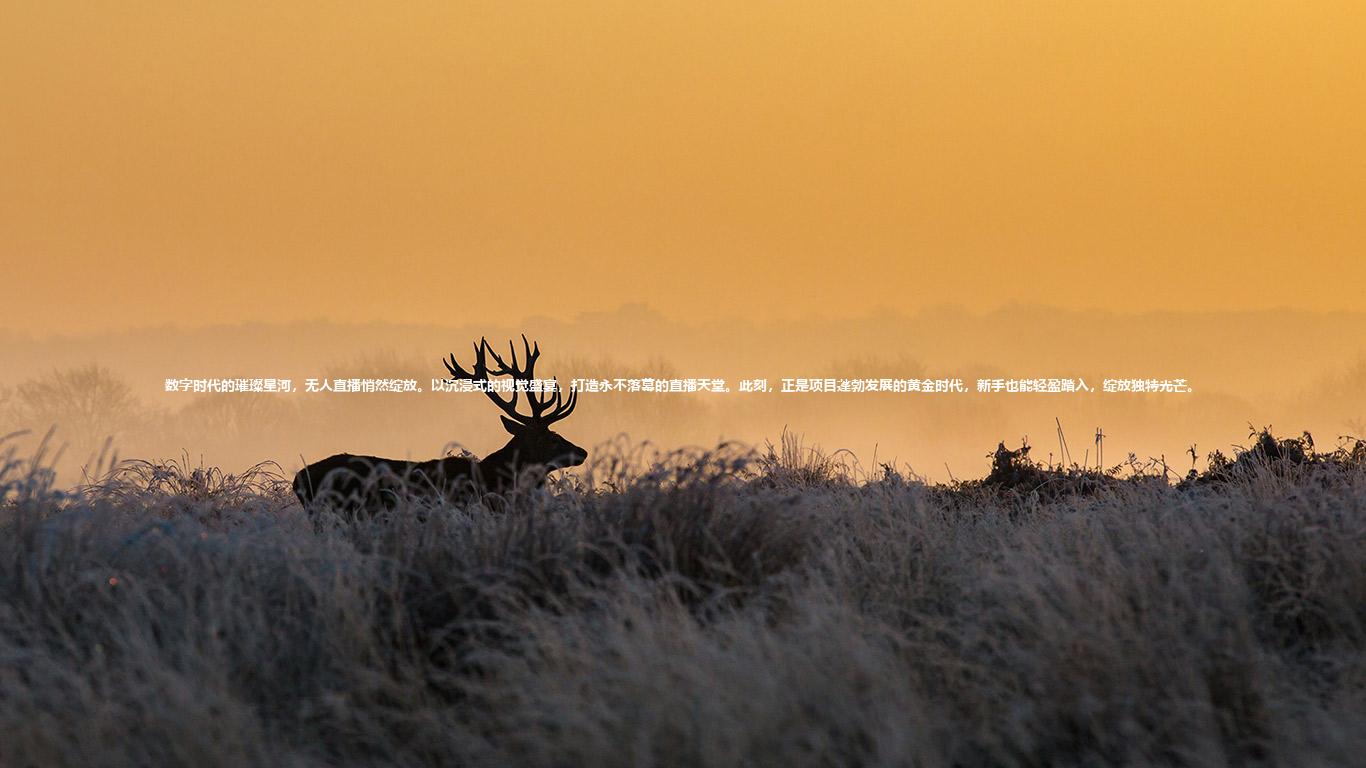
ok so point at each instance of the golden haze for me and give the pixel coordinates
(742, 168)
(439, 162)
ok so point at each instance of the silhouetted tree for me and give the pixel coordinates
(86, 403)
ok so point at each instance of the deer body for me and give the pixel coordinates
(376, 481)
(371, 482)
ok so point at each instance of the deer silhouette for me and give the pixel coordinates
(367, 482)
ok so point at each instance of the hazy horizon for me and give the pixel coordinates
(1245, 368)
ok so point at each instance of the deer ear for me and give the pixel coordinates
(513, 427)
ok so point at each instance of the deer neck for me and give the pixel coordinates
(499, 469)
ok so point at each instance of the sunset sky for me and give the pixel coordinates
(206, 162)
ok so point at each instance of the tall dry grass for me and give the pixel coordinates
(723, 607)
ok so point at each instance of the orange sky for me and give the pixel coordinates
(200, 162)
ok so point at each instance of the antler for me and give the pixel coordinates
(558, 408)
(481, 373)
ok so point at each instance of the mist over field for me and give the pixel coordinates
(1295, 371)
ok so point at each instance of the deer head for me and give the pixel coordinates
(532, 440)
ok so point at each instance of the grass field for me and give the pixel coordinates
(718, 608)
